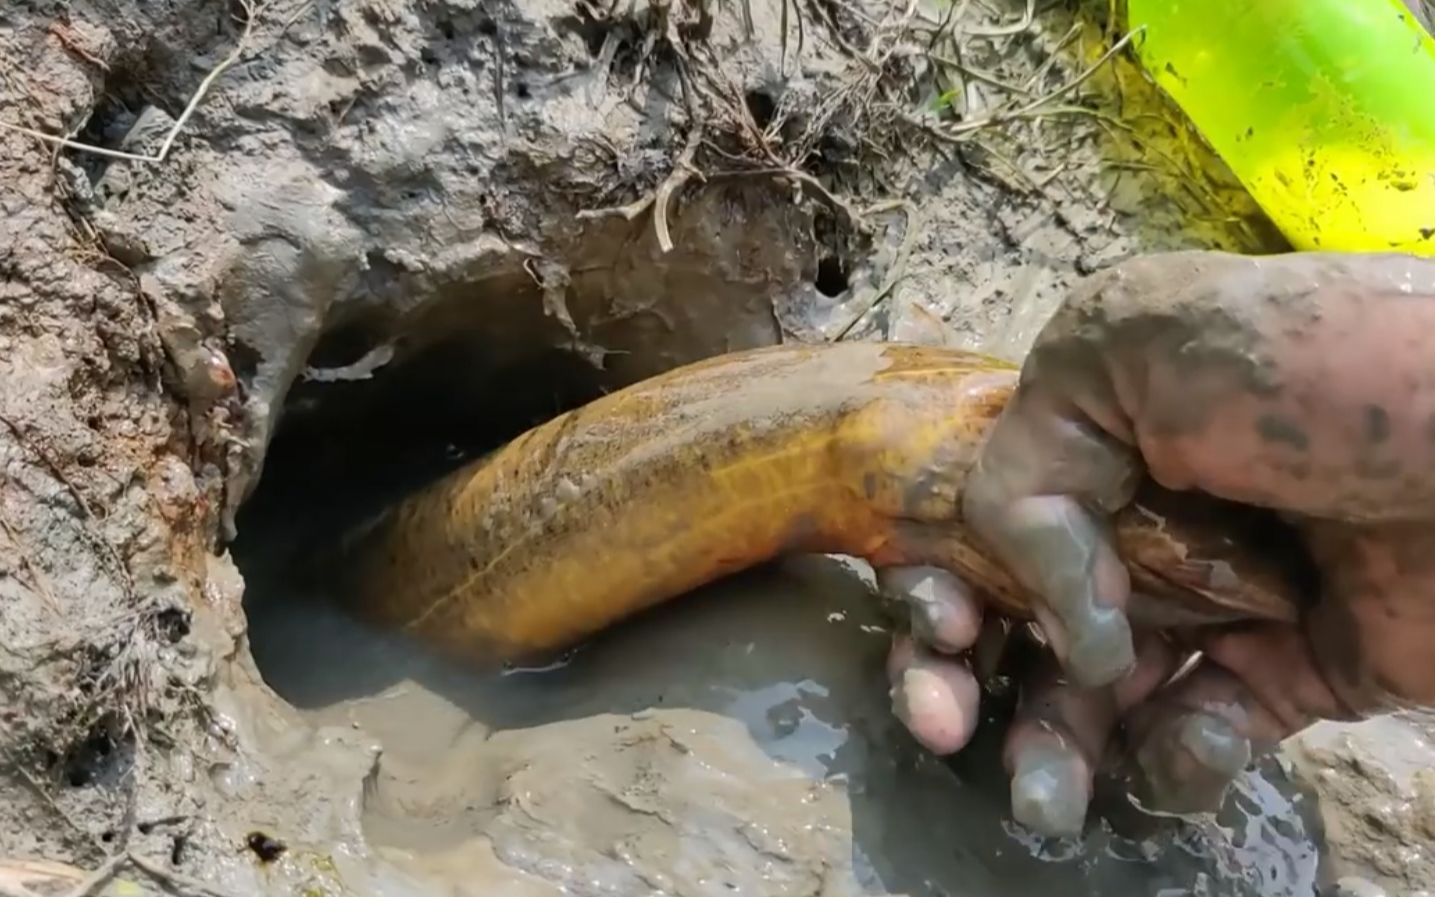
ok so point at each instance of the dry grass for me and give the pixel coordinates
(987, 87)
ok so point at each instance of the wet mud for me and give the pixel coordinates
(738, 741)
(376, 216)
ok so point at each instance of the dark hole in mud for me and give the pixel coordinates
(122, 99)
(144, 83)
(762, 107)
(113, 115)
(346, 449)
(831, 276)
(99, 755)
(344, 346)
(173, 624)
(243, 360)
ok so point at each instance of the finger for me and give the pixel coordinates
(1278, 671)
(1254, 687)
(1030, 498)
(1050, 767)
(935, 696)
(1060, 734)
(945, 614)
(1190, 742)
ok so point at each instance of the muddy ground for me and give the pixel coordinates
(379, 217)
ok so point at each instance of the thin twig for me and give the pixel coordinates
(955, 13)
(1028, 17)
(1053, 56)
(1017, 27)
(174, 879)
(62, 33)
(956, 133)
(122, 569)
(239, 47)
(978, 75)
(827, 197)
(682, 172)
(97, 879)
(499, 87)
(1028, 183)
(27, 561)
(891, 278)
(834, 33)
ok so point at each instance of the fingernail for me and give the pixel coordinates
(1047, 794)
(1215, 744)
(1101, 650)
(930, 623)
(1187, 766)
(923, 702)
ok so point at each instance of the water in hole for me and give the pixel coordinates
(736, 742)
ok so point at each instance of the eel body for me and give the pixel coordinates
(652, 491)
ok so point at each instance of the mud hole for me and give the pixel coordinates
(377, 248)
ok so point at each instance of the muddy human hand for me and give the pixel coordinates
(1299, 383)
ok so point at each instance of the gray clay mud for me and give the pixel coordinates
(381, 215)
(739, 741)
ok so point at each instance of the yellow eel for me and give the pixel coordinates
(654, 490)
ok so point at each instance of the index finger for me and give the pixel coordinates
(1030, 497)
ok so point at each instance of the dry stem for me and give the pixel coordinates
(683, 171)
(97, 879)
(122, 570)
(251, 12)
(174, 879)
(959, 132)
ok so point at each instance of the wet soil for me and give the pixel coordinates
(738, 742)
(376, 220)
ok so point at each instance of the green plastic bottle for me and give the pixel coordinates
(1325, 110)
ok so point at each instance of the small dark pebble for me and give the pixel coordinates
(266, 848)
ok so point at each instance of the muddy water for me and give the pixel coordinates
(737, 742)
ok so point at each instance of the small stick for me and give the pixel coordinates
(892, 277)
(957, 132)
(122, 569)
(825, 196)
(683, 171)
(67, 40)
(977, 74)
(28, 562)
(174, 879)
(97, 879)
(955, 13)
(1027, 17)
(239, 47)
(1017, 27)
